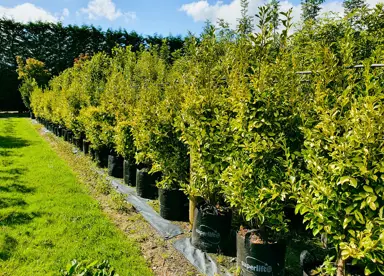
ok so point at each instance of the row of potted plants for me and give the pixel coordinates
(229, 123)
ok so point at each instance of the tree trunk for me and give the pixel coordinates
(192, 200)
(192, 206)
(340, 266)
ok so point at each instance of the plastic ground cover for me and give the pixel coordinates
(199, 259)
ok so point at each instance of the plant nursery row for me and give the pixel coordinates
(232, 127)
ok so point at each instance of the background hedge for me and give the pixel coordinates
(58, 46)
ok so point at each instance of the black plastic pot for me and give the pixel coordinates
(60, 131)
(174, 205)
(211, 229)
(79, 143)
(69, 136)
(115, 165)
(85, 146)
(92, 153)
(101, 157)
(260, 259)
(129, 173)
(74, 140)
(146, 184)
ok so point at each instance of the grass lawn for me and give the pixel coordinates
(47, 217)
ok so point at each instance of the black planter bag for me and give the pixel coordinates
(174, 205)
(69, 136)
(92, 153)
(79, 143)
(101, 157)
(60, 131)
(211, 230)
(146, 184)
(85, 147)
(129, 173)
(64, 132)
(66, 135)
(260, 259)
(115, 165)
(74, 140)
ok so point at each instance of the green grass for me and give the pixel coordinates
(47, 217)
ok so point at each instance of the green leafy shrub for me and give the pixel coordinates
(121, 100)
(203, 119)
(89, 268)
(343, 153)
(32, 72)
(259, 179)
(156, 139)
(92, 114)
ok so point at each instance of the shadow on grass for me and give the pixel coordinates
(7, 245)
(17, 218)
(5, 153)
(12, 176)
(16, 188)
(11, 142)
(16, 172)
(11, 202)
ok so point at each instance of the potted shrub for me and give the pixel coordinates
(118, 101)
(156, 138)
(260, 177)
(203, 123)
(125, 147)
(123, 94)
(91, 117)
(342, 195)
(150, 72)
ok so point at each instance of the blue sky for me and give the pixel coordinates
(144, 16)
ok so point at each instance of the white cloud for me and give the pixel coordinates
(65, 13)
(335, 7)
(201, 10)
(106, 9)
(28, 12)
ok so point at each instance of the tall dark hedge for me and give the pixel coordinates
(57, 46)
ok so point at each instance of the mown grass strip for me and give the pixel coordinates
(46, 216)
